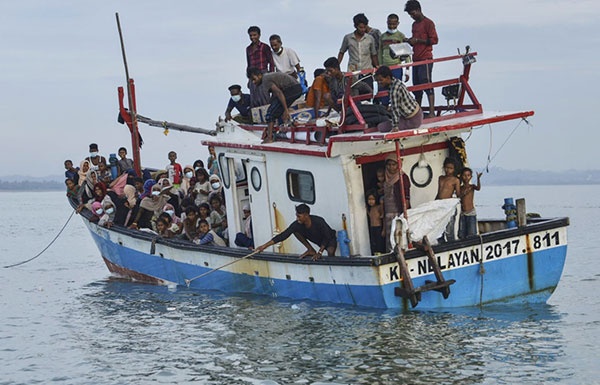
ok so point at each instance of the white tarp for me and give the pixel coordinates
(429, 218)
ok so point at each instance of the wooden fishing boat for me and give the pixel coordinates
(329, 167)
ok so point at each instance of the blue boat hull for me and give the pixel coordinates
(519, 274)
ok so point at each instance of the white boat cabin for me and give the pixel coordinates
(330, 169)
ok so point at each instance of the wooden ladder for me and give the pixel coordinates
(407, 289)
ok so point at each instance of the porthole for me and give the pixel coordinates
(256, 178)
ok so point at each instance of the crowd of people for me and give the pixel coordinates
(188, 202)
(176, 202)
(277, 79)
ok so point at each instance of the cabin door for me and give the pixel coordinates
(260, 204)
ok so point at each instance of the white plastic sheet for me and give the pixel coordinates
(430, 218)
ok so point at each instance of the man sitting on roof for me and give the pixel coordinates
(406, 112)
(284, 91)
(337, 84)
(240, 102)
(308, 228)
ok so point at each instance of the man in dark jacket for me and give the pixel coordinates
(308, 228)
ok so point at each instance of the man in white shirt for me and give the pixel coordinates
(286, 60)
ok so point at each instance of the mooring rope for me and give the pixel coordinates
(189, 281)
(45, 248)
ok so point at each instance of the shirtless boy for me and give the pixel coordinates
(468, 216)
(448, 186)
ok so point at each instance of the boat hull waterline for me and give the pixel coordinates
(507, 266)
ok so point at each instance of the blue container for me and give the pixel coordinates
(344, 241)
(511, 212)
(112, 160)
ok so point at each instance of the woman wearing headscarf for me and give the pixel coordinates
(86, 191)
(150, 208)
(84, 167)
(130, 194)
(392, 196)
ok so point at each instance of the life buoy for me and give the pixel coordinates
(429, 177)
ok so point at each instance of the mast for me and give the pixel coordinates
(132, 123)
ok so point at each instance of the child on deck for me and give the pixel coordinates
(217, 213)
(207, 236)
(108, 218)
(124, 164)
(191, 229)
(104, 174)
(72, 189)
(164, 226)
(468, 217)
(70, 171)
(448, 186)
(174, 170)
(202, 187)
(375, 213)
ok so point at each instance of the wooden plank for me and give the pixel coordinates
(521, 212)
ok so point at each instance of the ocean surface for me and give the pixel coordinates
(64, 320)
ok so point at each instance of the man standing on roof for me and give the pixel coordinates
(406, 112)
(424, 37)
(360, 45)
(284, 91)
(258, 55)
(286, 59)
(308, 228)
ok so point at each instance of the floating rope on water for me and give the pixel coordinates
(49, 244)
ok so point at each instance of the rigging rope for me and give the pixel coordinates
(490, 158)
(45, 248)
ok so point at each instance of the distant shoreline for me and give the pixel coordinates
(495, 177)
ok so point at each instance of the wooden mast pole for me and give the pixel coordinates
(135, 137)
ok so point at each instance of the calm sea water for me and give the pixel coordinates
(64, 320)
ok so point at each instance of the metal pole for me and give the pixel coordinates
(135, 138)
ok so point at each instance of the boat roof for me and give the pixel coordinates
(461, 113)
(445, 128)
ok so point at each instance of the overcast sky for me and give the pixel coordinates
(61, 66)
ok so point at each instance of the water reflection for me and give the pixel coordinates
(139, 332)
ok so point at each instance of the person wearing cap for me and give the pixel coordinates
(240, 102)
(306, 228)
(95, 158)
(246, 238)
(393, 195)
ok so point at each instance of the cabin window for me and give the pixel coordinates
(256, 179)
(240, 171)
(301, 186)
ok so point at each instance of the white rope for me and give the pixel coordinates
(189, 281)
(491, 158)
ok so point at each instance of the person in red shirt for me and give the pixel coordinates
(424, 37)
(258, 55)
